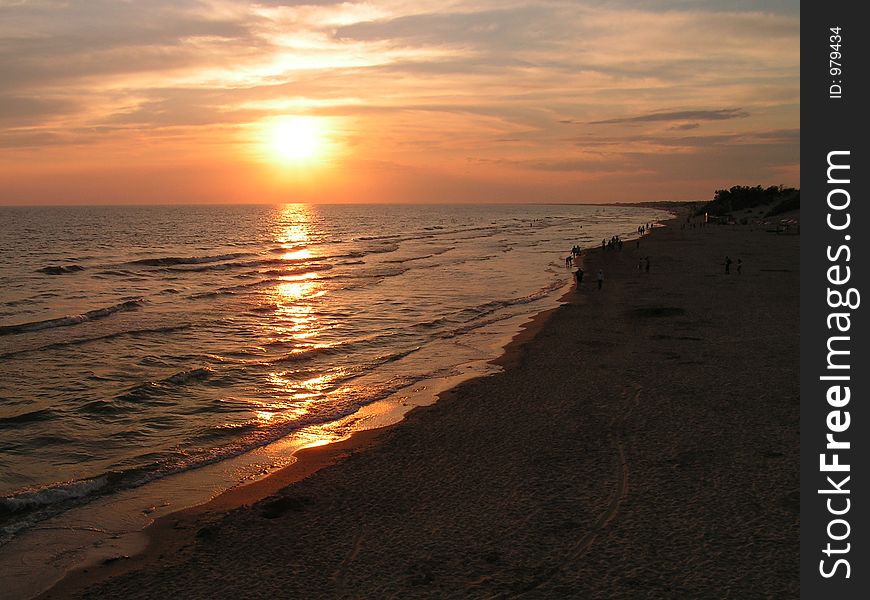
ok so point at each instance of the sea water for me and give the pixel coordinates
(141, 342)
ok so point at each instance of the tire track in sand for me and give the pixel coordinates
(617, 496)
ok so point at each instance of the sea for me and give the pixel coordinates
(139, 343)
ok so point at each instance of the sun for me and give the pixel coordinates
(297, 139)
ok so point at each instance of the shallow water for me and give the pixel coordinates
(138, 342)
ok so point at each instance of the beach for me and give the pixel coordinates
(641, 442)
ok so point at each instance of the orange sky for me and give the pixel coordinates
(409, 101)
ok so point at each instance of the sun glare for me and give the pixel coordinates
(297, 139)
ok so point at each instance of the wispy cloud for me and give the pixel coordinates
(517, 87)
(680, 115)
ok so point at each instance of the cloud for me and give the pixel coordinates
(684, 126)
(684, 115)
(24, 110)
(507, 28)
(511, 84)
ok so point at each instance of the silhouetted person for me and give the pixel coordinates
(578, 275)
(600, 278)
(727, 265)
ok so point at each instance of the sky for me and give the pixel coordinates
(195, 101)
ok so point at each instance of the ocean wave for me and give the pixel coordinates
(313, 265)
(60, 492)
(468, 319)
(100, 338)
(490, 307)
(382, 249)
(370, 238)
(375, 272)
(262, 262)
(33, 416)
(308, 353)
(312, 268)
(91, 315)
(114, 273)
(430, 324)
(224, 431)
(198, 374)
(472, 326)
(437, 252)
(274, 277)
(150, 389)
(394, 356)
(102, 407)
(242, 287)
(345, 347)
(60, 269)
(187, 260)
(25, 508)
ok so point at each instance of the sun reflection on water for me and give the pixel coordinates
(302, 254)
(291, 290)
(294, 314)
(293, 394)
(294, 221)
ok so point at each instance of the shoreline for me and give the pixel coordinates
(178, 530)
(112, 525)
(551, 474)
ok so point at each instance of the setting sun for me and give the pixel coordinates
(297, 139)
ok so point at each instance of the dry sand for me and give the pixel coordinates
(642, 444)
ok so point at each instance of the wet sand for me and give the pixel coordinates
(642, 442)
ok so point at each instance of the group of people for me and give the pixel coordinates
(578, 276)
(643, 264)
(613, 242)
(575, 252)
(728, 262)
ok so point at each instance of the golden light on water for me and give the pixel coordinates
(293, 291)
(297, 290)
(264, 416)
(295, 319)
(296, 398)
(297, 255)
(294, 233)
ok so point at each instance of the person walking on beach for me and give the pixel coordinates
(578, 275)
(727, 265)
(600, 278)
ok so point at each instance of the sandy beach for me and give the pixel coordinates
(642, 442)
